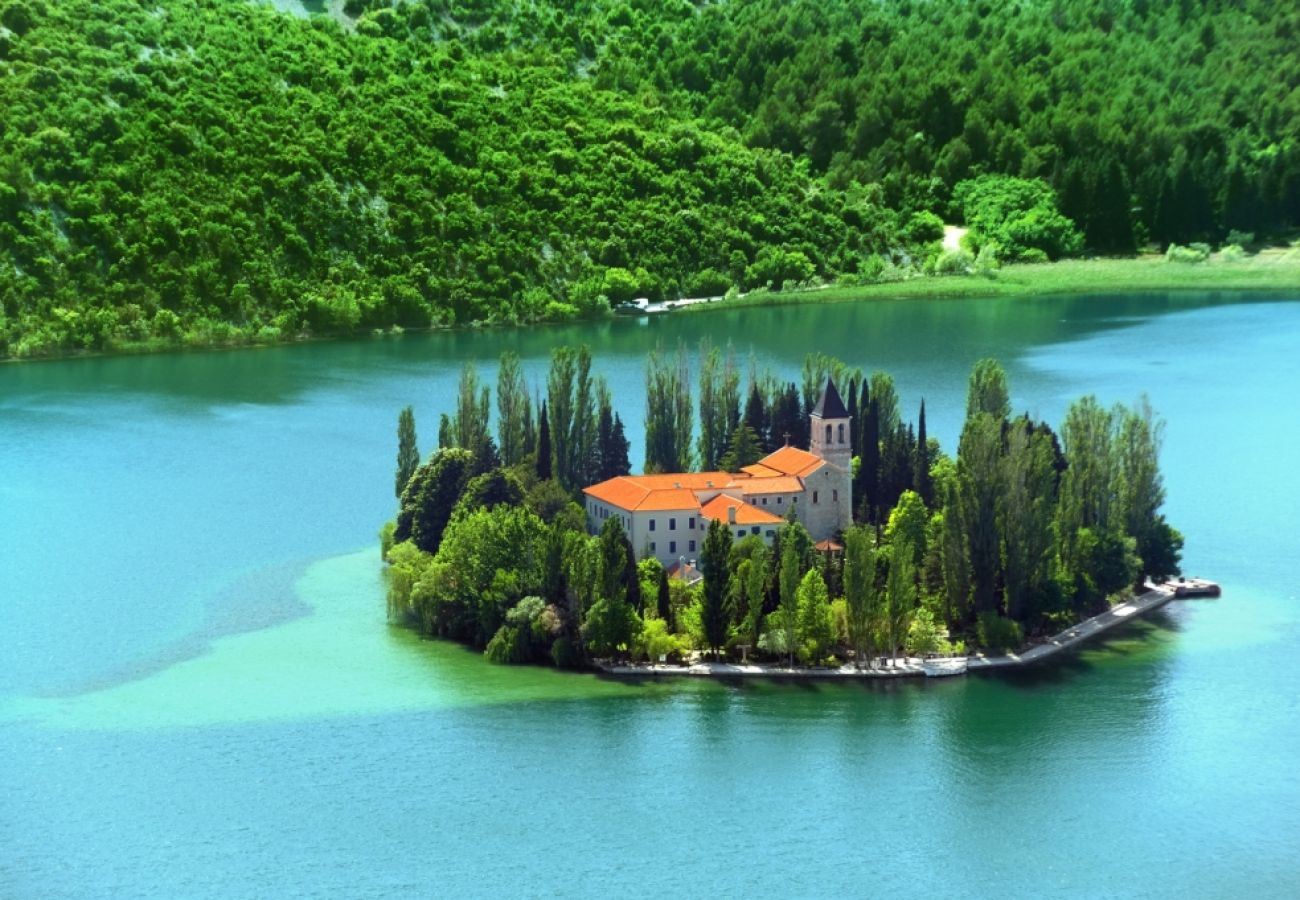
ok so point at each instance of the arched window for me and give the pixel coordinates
(841, 432)
(828, 434)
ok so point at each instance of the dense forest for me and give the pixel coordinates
(205, 171)
(1023, 532)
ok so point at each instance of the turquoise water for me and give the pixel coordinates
(199, 696)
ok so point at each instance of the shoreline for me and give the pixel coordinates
(910, 667)
(1270, 270)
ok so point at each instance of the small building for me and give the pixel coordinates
(667, 516)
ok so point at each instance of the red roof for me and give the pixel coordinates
(791, 461)
(718, 508)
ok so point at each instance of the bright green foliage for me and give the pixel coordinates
(1018, 216)
(860, 592)
(514, 411)
(654, 640)
(430, 496)
(408, 454)
(719, 403)
(979, 470)
(789, 575)
(611, 626)
(987, 392)
(499, 487)
(751, 576)
(815, 630)
(1025, 516)
(909, 523)
(925, 634)
(488, 560)
(900, 594)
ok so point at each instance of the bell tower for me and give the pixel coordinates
(829, 424)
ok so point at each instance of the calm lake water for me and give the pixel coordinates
(199, 695)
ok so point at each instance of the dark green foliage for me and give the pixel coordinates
(921, 481)
(743, 449)
(430, 496)
(1161, 550)
(408, 454)
(998, 634)
(756, 416)
(715, 614)
(543, 446)
(866, 486)
(663, 604)
(493, 488)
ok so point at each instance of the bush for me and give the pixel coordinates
(1192, 254)
(1241, 238)
(565, 655)
(955, 262)
(1232, 253)
(997, 633)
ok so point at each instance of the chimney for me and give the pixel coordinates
(787, 439)
(731, 514)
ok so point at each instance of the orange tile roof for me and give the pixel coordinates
(760, 471)
(718, 507)
(791, 461)
(773, 484)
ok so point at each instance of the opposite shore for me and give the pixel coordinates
(910, 667)
(1273, 269)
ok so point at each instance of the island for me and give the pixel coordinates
(779, 528)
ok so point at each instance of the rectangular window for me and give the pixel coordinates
(740, 532)
(692, 546)
(652, 546)
(814, 496)
(780, 499)
(690, 523)
(765, 501)
(652, 524)
(672, 524)
(770, 533)
(835, 496)
(753, 529)
(672, 546)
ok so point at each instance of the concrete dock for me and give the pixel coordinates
(911, 667)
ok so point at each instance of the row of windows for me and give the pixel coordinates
(672, 547)
(672, 524)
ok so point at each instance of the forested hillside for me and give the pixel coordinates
(207, 171)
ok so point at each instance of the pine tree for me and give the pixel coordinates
(408, 454)
(543, 445)
(664, 601)
(743, 450)
(855, 435)
(617, 460)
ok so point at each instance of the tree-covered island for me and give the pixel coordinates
(535, 543)
(205, 172)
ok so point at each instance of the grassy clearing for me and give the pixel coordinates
(1273, 269)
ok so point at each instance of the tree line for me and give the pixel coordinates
(1022, 532)
(204, 172)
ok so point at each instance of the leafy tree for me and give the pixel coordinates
(1018, 215)
(743, 450)
(860, 590)
(815, 627)
(1025, 516)
(719, 403)
(790, 574)
(514, 410)
(408, 454)
(987, 391)
(430, 496)
(979, 487)
(908, 523)
(668, 414)
(900, 594)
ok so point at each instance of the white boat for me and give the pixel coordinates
(941, 668)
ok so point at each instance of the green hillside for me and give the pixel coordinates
(205, 171)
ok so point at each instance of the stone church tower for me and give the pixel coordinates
(831, 440)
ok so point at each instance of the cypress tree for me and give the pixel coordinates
(921, 471)
(408, 454)
(867, 488)
(756, 416)
(543, 445)
(617, 460)
(604, 441)
(855, 437)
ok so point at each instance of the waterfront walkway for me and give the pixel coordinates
(911, 667)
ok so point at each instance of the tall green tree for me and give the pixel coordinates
(816, 629)
(987, 391)
(408, 454)
(790, 574)
(668, 413)
(430, 496)
(714, 612)
(860, 593)
(921, 480)
(560, 387)
(900, 594)
(544, 465)
(514, 411)
(719, 403)
(1141, 486)
(473, 404)
(1025, 516)
(979, 481)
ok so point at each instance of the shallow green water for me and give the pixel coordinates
(199, 696)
